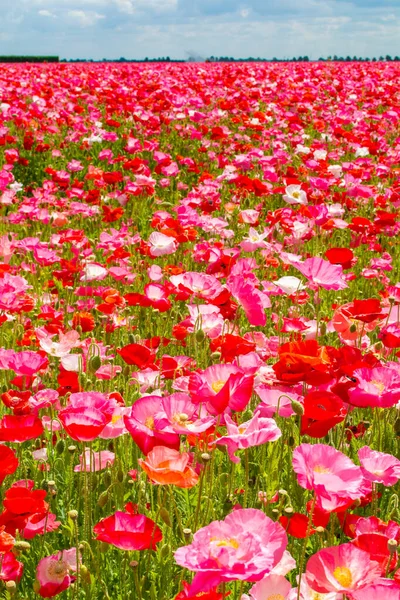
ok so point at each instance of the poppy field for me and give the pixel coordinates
(200, 331)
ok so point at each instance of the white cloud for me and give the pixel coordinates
(46, 13)
(85, 19)
(158, 6)
(244, 13)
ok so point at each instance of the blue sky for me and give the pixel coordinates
(239, 28)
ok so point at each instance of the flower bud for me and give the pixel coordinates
(60, 447)
(103, 499)
(21, 546)
(165, 550)
(165, 516)
(73, 515)
(298, 408)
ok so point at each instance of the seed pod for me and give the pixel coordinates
(187, 534)
(103, 499)
(392, 546)
(22, 546)
(165, 516)
(71, 449)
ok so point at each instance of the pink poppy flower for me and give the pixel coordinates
(83, 424)
(141, 424)
(95, 461)
(322, 273)
(39, 524)
(10, 568)
(272, 586)
(255, 432)
(341, 569)
(161, 244)
(245, 546)
(203, 285)
(116, 427)
(220, 387)
(379, 467)
(387, 589)
(26, 363)
(182, 415)
(251, 299)
(335, 479)
(377, 387)
(53, 572)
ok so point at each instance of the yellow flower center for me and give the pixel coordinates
(343, 576)
(379, 386)
(296, 194)
(181, 419)
(149, 422)
(218, 385)
(276, 597)
(321, 469)
(224, 543)
(115, 419)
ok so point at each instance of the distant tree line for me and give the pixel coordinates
(29, 59)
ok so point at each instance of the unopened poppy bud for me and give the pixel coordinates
(205, 457)
(78, 328)
(94, 364)
(224, 478)
(165, 550)
(120, 475)
(353, 328)
(200, 335)
(126, 371)
(103, 499)
(322, 328)
(165, 516)
(107, 479)
(84, 571)
(392, 546)
(357, 502)
(21, 546)
(73, 515)
(396, 426)
(298, 408)
(215, 356)
(378, 346)
(131, 338)
(134, 564)
(291, 441)
(187, 534)
(60, 446)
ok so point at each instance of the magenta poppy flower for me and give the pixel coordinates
(255, 432)
(83, 424)
(341, 569)
(141, 424)
(182, 415)
(39, 524)
(322, 273)
(377, 387)
(220, 387)
(10, 568)
(26, 363)
(335, 479)
(128, 532)
(245, 546)
(379, 467)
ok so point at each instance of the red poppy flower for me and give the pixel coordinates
(340, 256)
(136, 354)
(15, 428)
(366, 311)
(231, 346)
(8, 462)
(296, 525)
(322, 411)
(85, 320)
(128, 532)
(303, 361)
(210, 595)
